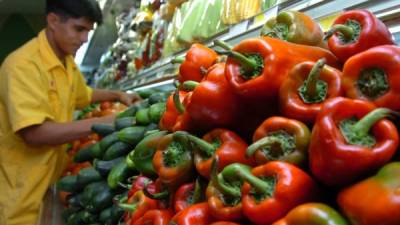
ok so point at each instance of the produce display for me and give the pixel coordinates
(289, 128)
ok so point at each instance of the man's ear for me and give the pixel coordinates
(52, 20)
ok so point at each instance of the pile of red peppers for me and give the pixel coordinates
(292, 127)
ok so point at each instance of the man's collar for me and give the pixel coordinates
(49, 57)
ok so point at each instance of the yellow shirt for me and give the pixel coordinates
(34, 87)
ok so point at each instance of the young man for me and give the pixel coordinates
(40, 86)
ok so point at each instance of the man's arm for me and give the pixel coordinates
(108, 95)
(53, 133)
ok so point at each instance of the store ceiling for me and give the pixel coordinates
(22, 6)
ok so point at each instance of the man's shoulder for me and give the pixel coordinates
(27, 53)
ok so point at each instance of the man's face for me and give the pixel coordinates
(70, 33)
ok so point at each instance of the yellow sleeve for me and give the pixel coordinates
(83, 93)
(24, 93)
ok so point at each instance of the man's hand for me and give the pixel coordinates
(128, 99)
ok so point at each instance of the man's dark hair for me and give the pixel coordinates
(89, 9)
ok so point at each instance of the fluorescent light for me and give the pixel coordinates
(171, 81)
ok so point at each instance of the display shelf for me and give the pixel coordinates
(321, 10)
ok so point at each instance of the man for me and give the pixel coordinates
(40, 86)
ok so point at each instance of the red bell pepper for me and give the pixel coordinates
(373, 75)
(256, 67)
(171, 114)
(155, 217)
(173, 160)
(271, 190)
(306, 88)
(137, 205)
(223, 192)
(197, 60)
(280, 138)
(187, 195)
(349, 139)
(138, 183)
(224, 223)
(224, 144)
(355, 31)
(213, 102)
(374, 200)
(198, 214)
(312, 213)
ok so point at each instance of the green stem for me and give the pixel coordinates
(202, 145)
(178, 60)
(247, 63)
(258, 184)
(311, 81)
(264, 142)
(177, 101)
(363, 126)
(157, 196)
(218, 181)
(346, 31)
(128, 207)
(190, 85)
(197, 194)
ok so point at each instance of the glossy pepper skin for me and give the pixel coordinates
(223, 192)
(173, 160)
(344, 147)
(374, 200)
(283, 187)
(171, 114)
(225, 144)
(259, 75)
(306, 88)
(198, 214)
(138, 183)
(187, 195)
(280, 138)
(312, 213)
(224, 223)
(373, 75)
(197, 60)
(155, 217)
(355, 31)
(295, 27)
(143, 154)
(213, 101)
(136, 206)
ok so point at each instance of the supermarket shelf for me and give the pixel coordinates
(321, 10)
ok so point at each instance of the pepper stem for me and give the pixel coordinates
(128, 207)
(258, 184)
(264, 142)
(205, 147)
(311, 81)
(190, 85)
(157, 196)
(363, 126)
(219, 182)
(347, 31)
(197, 194)
(178, 104)
(178, 60)
(248, 64)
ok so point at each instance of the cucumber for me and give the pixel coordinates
(131, 110)
(87, 217)
(87, 176)
(101, 200)
(105, 143)
(90, 191)
(105, 214)
(74, 200)
(158, 97)
(132, 135)
(104, 167)
(156, 111)
(116, 150)
(142, 116)
(84, 154)
(67, 212)
(103, 129)
(68, 184)
(119, 174)
(125, 122)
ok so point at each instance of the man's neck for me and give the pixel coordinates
(60, 55)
